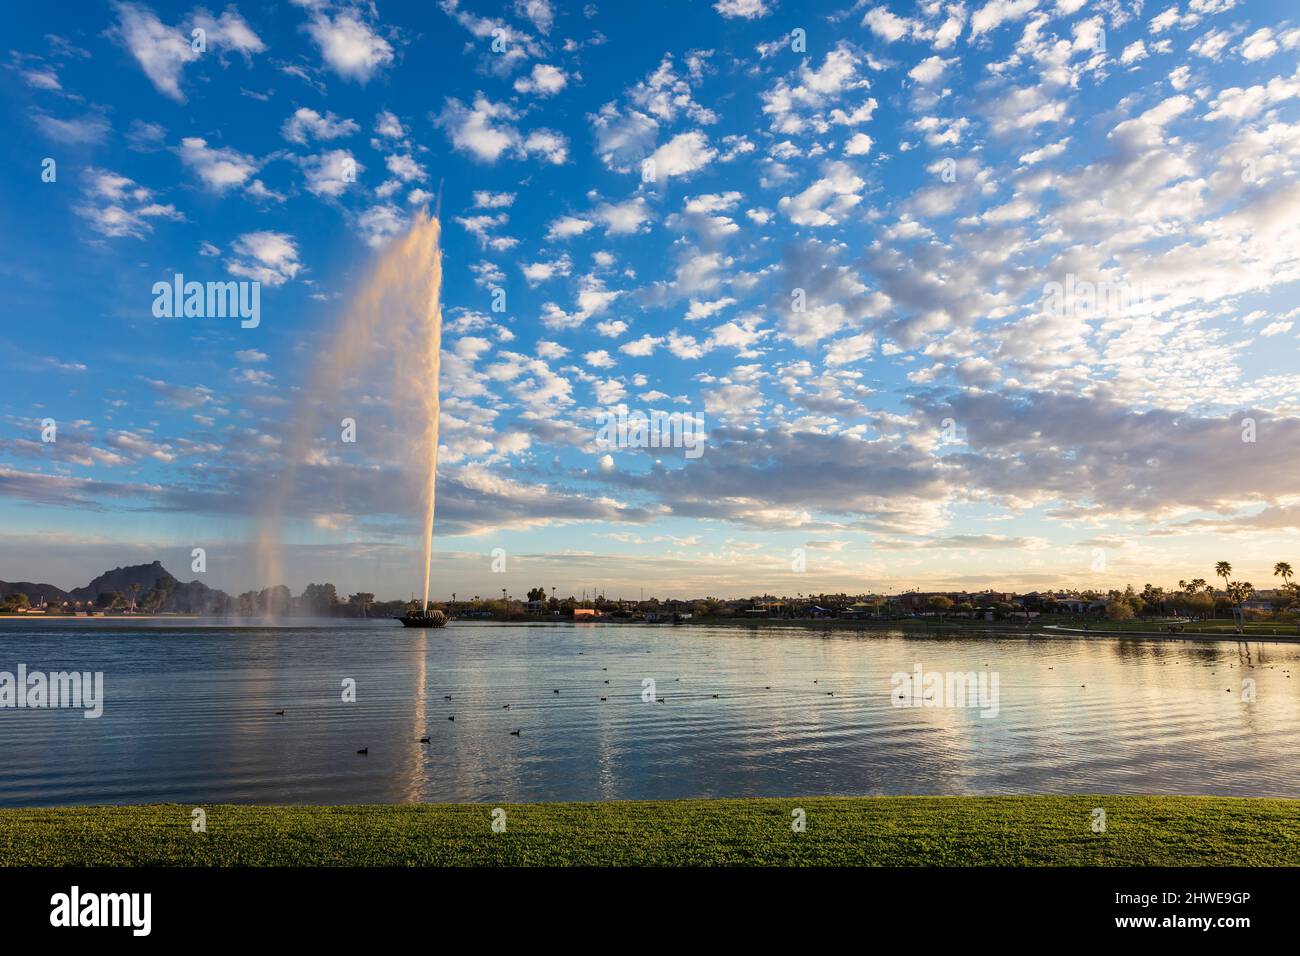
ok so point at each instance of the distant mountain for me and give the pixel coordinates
(159, 591)
(148, 576)
(35, 592)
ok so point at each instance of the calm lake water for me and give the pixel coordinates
(190, 715)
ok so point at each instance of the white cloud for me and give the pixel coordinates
(593, 299)
(620, 219)
(1135, 51)
(82, 130)
(405, 168)
(929, 70)
(220, 168)
(42, 78)
(476, 130)
(997, 12)
(270, 258)
(545, 80)
(1260, 45)
(732, 400)
(229, 32)
(1212, 44)
(117, 206)
(745, 9)
(687, 346)
(623, 138)
(851, 349)
(858, 145)
(348, 45)
(551, 146)
(567, 227)
(485, 131)
(538, 272)
(485, 199)
(609, 392)
(1046, 152)
(305, 123)
(481, 227)
(702, 310)
(798, 100)
(684, 154)
(380, 223)
(886, 25)
(539, 12)
(330, 173)
(388, 126)
(1236, 103)
(163, 52)
(828, 200)
(642, 347)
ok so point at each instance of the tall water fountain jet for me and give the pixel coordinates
(393, 325)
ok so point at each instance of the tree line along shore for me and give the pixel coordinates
(1194, 605)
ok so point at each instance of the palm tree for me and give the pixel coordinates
(135, 589)
(1223, 569)
(1283, 570)
(1239, 593)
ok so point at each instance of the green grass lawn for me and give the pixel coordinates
(855, 831)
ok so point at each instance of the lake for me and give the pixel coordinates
(190, 714)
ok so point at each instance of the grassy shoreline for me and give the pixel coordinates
(840, 831)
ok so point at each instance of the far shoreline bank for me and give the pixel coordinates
(908, 627)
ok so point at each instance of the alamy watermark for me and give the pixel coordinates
(620, 428)
(1082, 298)
(219, 300)
(76, 908)
(37, 690)
(922, 688)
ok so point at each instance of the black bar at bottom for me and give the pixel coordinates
(334, 905)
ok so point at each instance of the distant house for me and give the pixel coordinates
(585, 614)
(1070, 604)
(858, 611)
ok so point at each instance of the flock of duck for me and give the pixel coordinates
(364, 751)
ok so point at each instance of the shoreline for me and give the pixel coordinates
(916, 628)
(909, 627)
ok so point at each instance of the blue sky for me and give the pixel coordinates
(924, 174)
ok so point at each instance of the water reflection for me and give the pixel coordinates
(190, 715)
